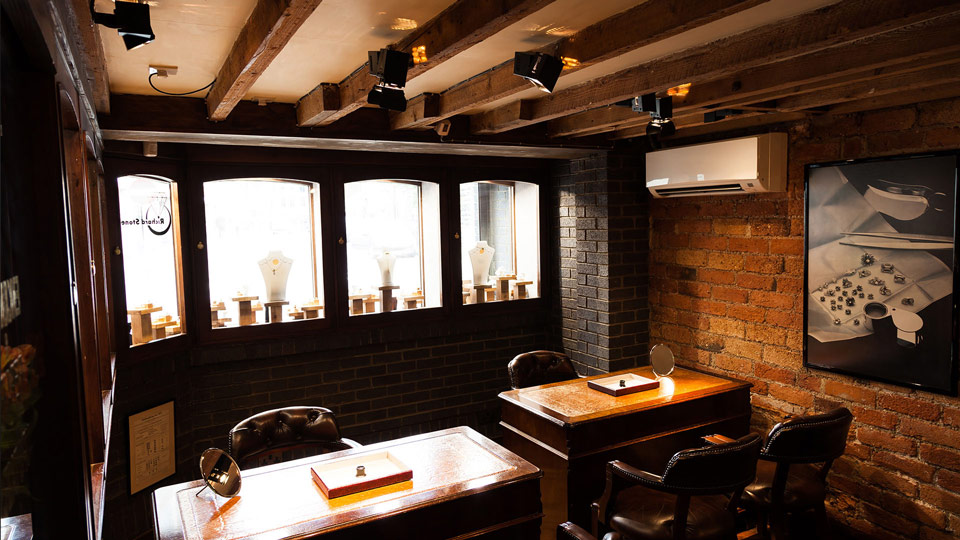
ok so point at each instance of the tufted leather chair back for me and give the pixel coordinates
(809, 439)
(540, 367)
(714, 469)
(272, 432)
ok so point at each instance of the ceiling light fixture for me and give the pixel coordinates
(541, 69)
(420, 54)
(661, 114)
(132, 21)
(391, 68)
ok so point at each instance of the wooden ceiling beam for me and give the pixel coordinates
(91, 48)
(868, 60)
(647, 23)
(268, 29)
(821, 29)
(905, 82)
(929, 93)
(454, 30)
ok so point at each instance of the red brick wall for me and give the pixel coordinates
(726, 275)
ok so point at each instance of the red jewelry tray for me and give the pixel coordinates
(632, 383)
(338, 478)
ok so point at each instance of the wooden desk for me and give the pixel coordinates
(571, 431)
(463, 485)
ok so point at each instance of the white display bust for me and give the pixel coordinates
(275, 269)
(386, 262)
(480, 258)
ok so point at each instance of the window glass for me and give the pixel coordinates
(262, 251)
(150, 237)
(393, 245)
(499, 240)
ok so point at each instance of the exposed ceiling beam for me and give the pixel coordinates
(457, 28)
(268, 29)
(827, 27)
(91, 48)
(183, 120)
(736, 122)
(904, 82)
(924, 46)
(642, 25)
(931, 93)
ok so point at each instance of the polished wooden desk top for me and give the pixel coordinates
(573, 402)
(280, 501)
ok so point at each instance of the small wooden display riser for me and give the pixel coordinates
(161, 329)
(503, 287)
(311, 311)
(141, 324)
(483, 293)
(245, 305)
(275, 311)
(412, 302)
(387, 301)
(215, 320)
(520, 289)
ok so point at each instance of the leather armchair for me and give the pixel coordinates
(688, 501)
(273, 432)
(793, 467)
(540, 367)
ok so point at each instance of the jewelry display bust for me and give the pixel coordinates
(480, 258)
(275, 269)
(386, 261)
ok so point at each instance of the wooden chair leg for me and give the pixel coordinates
(778, 524)
(823, 526)
(762, 525)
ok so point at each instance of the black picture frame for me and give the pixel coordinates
(908, 206)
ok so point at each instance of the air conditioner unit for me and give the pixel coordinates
(747, 165)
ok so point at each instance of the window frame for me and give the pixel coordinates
(114, 169)
(199, 175)
(191, 166)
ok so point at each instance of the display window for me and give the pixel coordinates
(150, 239)
(263, 252)
(393, 245)
(500, 241)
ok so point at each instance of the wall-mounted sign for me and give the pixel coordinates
(152, 456)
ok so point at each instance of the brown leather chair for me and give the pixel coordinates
(540, 367)
(272, 433)
(695, 498)
(793, 467)
(571, 531)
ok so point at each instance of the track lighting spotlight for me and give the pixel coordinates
(387, 97)
(541, 69)
(657, 107)
(390, 66)
(661, 127)
(132, 21)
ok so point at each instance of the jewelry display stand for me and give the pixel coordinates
(311, 310)
(503, 287)
(141, 324)
(414, 300)
(520, 288)
(370, 303)
(387, 301)
(215, 320)
(275, 268)
(295, 314)
(356, 303)
(480, 258)
(479, 294)
(386, 262)
(161, 327)
(275, 311)
(245, 306)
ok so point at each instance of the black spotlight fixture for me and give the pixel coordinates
(541, 69)
(661, 114)
(132, 21)
(391, 68)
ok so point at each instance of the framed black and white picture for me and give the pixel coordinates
(880, 272)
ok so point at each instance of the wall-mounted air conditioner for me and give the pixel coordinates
(747, 165)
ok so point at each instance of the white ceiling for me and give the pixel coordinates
(196, 36)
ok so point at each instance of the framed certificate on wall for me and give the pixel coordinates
(152, 455)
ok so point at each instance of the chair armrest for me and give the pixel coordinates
(633, 474)
(351, 443)
(718, 439)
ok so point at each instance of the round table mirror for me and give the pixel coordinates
(661, 359)
(220, 472)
